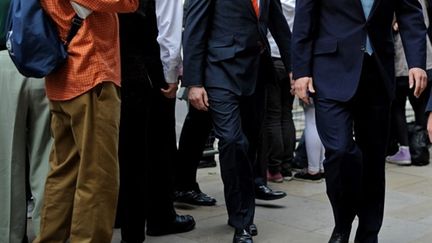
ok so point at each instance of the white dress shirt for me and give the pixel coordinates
(169, 14)
(288, 7)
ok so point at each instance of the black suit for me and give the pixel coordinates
(226, 51)
(147, 140)
(353, 96)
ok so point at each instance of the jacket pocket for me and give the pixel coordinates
(325, 47)
(221, 48)
(222, 41)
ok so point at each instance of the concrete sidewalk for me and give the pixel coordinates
(305, 214)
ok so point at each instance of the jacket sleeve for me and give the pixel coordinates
(195, 37)
(113, 6)
(281, 32)
(413, 32)
(306, 15)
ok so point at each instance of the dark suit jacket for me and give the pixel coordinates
(139, 49)
(223, 40)
(329, 39)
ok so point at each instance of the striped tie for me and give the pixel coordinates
(255, 6)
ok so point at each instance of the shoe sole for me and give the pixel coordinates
(277, 181)
(400, 162)
(271, 198)
(307, 180)
(176, 231)
(196, 204)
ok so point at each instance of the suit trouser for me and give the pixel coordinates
(235, 124)
(24, 135)
(354, 169)
(163, 147)
(399, 128)
(195, 132)
(145, 166)
(278, 129)
(82, 186)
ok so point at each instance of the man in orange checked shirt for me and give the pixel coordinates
(82, 186)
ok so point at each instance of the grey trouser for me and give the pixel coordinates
(24, 135)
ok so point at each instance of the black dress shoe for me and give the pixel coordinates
(207, 162)
(339, 238)
(194, 197)
(251, 229)
(263, 192)
(242, 236)
(182, 223)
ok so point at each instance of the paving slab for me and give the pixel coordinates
(305, 216)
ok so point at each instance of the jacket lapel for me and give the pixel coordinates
(263, 5)
(360, 7)
(374, 7)
(251, 8)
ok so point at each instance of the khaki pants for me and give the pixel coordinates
(82, 186)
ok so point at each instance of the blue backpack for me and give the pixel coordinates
(32, 39)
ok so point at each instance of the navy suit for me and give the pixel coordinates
(353, 94)
(226, 51)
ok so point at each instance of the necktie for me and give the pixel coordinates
(255, 6)
(367, 6)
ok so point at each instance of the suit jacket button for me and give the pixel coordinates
(363, 48)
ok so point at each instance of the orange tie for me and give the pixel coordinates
(255, 6)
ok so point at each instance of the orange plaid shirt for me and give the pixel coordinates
(94, 53)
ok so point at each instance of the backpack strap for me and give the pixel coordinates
(75, 26)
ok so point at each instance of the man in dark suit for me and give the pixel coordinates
(343, 50)
(226, 62)
(147, 141)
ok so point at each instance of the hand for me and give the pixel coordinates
(418, 80)
(292, 90)
(429, 126)
(303, 86)
(171, 91)
(395, 27)
(197, 96)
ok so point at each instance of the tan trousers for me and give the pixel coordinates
(82, 186)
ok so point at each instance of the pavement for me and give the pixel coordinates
(305, 215)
